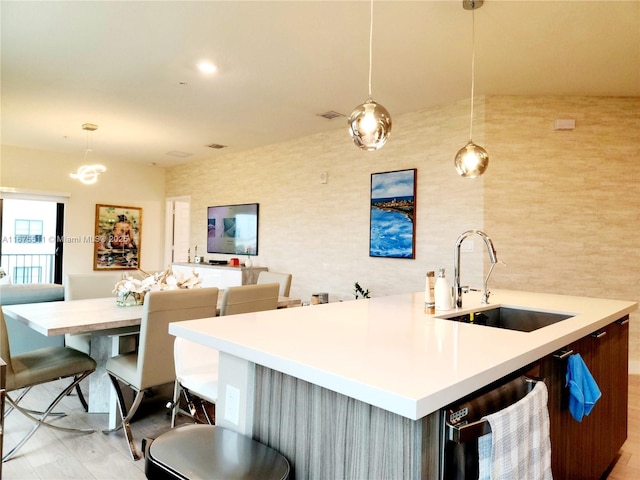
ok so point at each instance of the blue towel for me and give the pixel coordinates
(583, 389)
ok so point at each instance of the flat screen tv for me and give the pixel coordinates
(233, 229)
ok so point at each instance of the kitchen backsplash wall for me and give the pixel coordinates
(564, 206)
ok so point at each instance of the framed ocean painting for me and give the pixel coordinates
(393, 207)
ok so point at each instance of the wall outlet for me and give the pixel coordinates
(232, 405)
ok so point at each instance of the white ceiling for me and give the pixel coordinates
(120, 65)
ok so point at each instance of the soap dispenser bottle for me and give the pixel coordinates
(442, 292)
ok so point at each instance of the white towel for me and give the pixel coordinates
(518, 446)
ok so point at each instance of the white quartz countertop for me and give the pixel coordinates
(387, 352)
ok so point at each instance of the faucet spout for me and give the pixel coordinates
(457, 288)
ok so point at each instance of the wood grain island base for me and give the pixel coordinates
(330, 435)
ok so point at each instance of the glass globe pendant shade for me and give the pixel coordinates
(370, 125)
(471, 160)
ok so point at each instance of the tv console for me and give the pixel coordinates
(221, 276)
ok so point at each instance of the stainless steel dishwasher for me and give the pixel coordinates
(463, 425)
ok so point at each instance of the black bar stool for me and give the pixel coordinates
(210, 452)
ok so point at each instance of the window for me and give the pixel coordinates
(32, 233)
(27, 274)
(29, 231)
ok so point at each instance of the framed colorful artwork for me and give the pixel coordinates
(393, 212)
(117, 238)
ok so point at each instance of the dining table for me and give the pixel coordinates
(106, 322)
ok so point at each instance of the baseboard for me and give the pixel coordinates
(634, 368)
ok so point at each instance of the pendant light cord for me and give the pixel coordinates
(473, 69)
(370, 46)
(88, 149)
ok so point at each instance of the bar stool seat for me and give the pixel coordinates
(210, 452)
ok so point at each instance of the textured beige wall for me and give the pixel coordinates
(320, 232)
(561, 207)
(564, 206)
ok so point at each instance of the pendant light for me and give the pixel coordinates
(88, 174)
(472, 160)
(370, 122)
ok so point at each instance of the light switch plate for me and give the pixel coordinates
(232, 405)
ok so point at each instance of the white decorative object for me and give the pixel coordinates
(248, 261)
(131, 291)
(4, 278)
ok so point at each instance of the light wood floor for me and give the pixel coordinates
(52, 455)
(627, 466)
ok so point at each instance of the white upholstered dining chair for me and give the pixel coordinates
(196, 380)
(81, 286)
(283, 279)
(197, 365)
(249, 298)
(152, 364)
(35, 367)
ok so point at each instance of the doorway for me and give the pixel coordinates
(177, 228)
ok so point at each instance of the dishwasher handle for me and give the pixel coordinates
(474, 430)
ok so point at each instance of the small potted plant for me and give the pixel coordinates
(360, 292)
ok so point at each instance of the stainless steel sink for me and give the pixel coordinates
(511, 318)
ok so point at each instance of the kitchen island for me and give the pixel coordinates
(354, 389)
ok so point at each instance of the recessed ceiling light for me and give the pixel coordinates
(207, 67)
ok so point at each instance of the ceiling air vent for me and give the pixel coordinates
(217, 146)
(330, 115)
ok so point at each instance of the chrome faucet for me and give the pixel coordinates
(457, 288)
